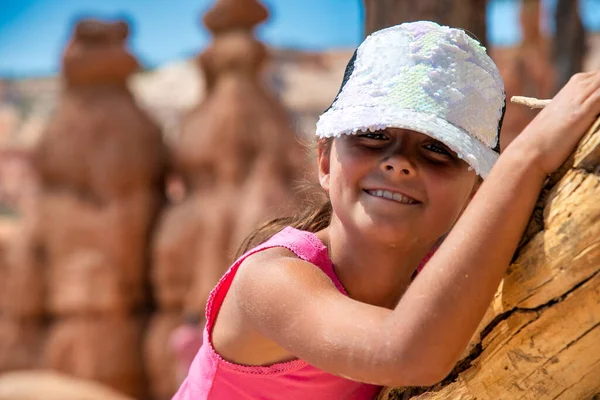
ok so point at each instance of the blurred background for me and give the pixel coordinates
(141, 141)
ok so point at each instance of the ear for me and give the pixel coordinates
(323, 155)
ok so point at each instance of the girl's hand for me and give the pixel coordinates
(554, 133)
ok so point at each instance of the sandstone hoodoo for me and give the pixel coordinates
(239, 161)
(101, 163)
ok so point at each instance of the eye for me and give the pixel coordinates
(439, 148)
(374, 135)
(373, 140)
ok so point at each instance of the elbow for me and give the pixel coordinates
(421, 373)
(429, 378)
(401, 363)
(420, 379)
(421, 366)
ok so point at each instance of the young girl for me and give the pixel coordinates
(329, 307)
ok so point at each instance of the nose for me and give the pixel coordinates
(391, 168)
(398, 163)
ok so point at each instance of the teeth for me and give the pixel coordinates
(392, 196)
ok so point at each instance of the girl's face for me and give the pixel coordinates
(396, 185)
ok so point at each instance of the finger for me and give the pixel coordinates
(573, 92)
(589, 74)
(581, 90)
(591, 83)
(592, 100)
(592, 103)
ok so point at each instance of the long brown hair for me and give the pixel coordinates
(313, 218)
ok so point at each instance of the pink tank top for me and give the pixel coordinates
(212, 377)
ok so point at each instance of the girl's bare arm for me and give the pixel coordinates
(458, 284)
(296, 306)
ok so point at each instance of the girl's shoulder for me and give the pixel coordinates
(271, 256)
(290, 249)
(273, 289)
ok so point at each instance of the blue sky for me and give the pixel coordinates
(33, 32)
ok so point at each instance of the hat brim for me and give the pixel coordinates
(353, 120)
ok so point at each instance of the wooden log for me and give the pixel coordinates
(569, 42)
(540, 338)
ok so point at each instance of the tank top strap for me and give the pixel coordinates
(306, 245)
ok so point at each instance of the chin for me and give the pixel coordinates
(385, 230)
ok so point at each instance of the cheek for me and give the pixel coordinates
(341, 182)
(448, 198)
(347, 171)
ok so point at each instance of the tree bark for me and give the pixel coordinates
(540, 338)
(466, 14)
(569, 41)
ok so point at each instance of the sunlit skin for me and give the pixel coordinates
(280, 307)
(376, 243)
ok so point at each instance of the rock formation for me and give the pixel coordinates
(22, 273)
(48, 385)
(101, 162)
(159, 357)
(239, 161)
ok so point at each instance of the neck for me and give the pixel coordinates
(371, 272)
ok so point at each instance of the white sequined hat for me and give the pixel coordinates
(427, 78)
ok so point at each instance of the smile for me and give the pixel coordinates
(386, 194)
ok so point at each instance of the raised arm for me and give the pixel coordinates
(419, 342)
(460, 280)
